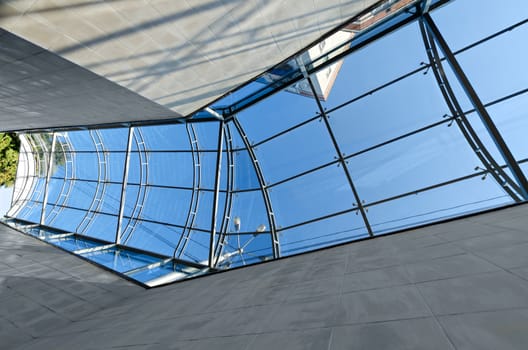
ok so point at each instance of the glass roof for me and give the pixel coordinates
(393, 121)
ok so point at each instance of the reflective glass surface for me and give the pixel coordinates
(385, 134)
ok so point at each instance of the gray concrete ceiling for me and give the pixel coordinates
(39, 89)
(180, 54)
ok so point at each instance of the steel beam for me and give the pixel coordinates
(340, 155)
(48, 176)
(124, 185)
(216, 193)
(479, 107)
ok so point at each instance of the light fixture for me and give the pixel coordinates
(236, 222)
(261, 228)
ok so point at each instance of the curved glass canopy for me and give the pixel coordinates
(393, 121)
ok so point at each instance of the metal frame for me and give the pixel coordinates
(461, 120)
(339, 154)
(275, 243)
(226, 118)
(102, 182)
(479, 106)
(194, 202)
(215, 196)
(124, 185)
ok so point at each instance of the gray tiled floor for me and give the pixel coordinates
(439, 287)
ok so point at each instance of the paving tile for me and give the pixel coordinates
(380, 278)
(505, 330)
(423, 333)
(314, 339)
(487, 291)
(312, 313)
(506, 257)
(457, 265)
(385, 304)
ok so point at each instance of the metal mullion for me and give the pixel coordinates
(397, 138)
(216, 193)
(263, 188)
(230, 111)
(496, 34)
(123, 187)
(109, 182)
(309, 171)
(148, 267)
(48, 175)
(63, 206)
(94, 249)
(100, 187)
(256, 144)
(143, 177)
(224, 225)
(465, 127)
(367, 205)
(195, 195)
(481, 110)
(438, 185)
(340, 156)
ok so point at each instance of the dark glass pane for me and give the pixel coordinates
(334, 230)
(447, 201)
(314, 195)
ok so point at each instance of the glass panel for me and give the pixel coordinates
(82, 140)
(31, 211)
(120, 260)
(476, 19)
(167, 205)
(157, 238)
(498, 67)
(114, 139)
(91, 166)
(275, 114)
(77, 194)
(436, 204)
(511, 118)
(323, 192)
(165, 137)
(170, 169)
(207, 135)
(205, 210)
(68, 220)
(103, 227)
(197, 248)
(245, 250)
(245, 176)
(155, 272)
(72, 243)
(302, 149)
(251, 212)
(207, 169)
(433, 156)
(403, 107)
(334, 230)
(379, 62)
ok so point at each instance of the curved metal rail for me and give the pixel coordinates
(487, 160)
(264, 189)
(100, 187)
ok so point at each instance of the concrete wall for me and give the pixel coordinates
(456, 285)
(39, 89)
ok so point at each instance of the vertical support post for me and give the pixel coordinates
(216, 192)
(48, 177)
(479, 107)
(124, 186)
(337, 148)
